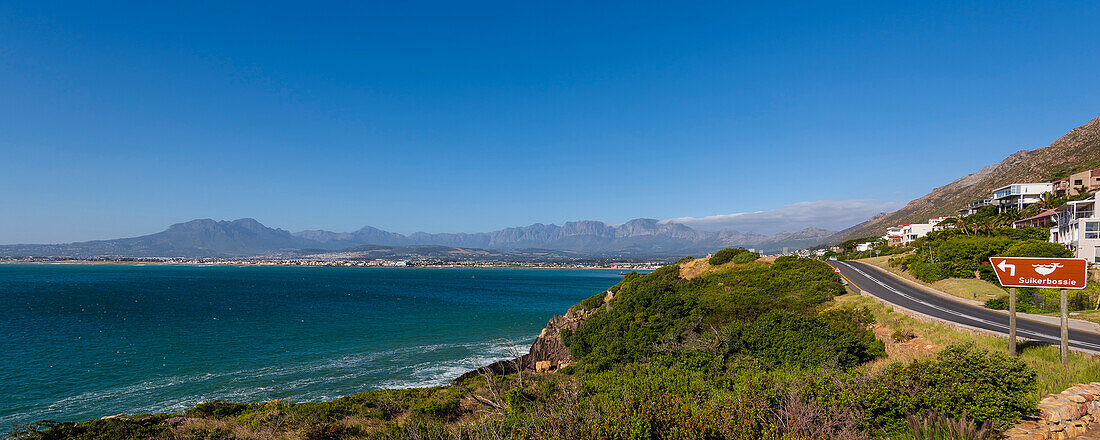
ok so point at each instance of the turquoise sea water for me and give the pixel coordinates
(81, 341)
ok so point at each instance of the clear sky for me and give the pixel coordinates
(120, 119)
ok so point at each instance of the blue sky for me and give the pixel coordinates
(119, 119)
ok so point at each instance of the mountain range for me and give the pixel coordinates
(1075, 151)
(248, 237)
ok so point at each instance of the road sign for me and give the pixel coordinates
(1058, 273)
(836, 269)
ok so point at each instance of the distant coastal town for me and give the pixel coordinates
(303, 262)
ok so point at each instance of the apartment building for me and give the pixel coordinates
(1019, 195)
(1078, 228)
(1069, 186)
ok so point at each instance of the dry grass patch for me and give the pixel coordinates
(700, 266)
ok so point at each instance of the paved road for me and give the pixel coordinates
(902, 294)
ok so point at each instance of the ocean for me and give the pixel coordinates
(81, 341)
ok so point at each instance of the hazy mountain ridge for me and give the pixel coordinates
(248, 237)
(635, 237)
(1077, 150)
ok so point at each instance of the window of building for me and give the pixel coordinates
(1078, 182)
(1092, 230)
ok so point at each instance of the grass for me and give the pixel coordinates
(975, 289)
(1046, 359)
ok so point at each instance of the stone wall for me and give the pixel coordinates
(1061, 416)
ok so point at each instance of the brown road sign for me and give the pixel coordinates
(1058, 273)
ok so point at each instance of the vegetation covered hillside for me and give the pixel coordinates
(744, 348)
(1078, 150)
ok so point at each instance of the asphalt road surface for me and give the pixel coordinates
(907, 296)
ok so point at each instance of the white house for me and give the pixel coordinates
(973, 207)
(904, 234)
(863, 247)
(1019, 195)
(1078, 228)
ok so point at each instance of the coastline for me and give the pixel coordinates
(344, 264)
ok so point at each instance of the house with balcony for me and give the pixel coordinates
(1078, 228)
(1019, 195)
(905, 234)
(972, 207)
(1070, 186)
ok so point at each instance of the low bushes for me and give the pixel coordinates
(961, 380)
(735, 255)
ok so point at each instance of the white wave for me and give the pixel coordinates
(298, 382)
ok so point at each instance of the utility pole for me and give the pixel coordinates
(1065, 327)
(1012, 321)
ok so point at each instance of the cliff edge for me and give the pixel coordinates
(547, 353)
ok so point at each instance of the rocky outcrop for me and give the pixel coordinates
(548, 352)
(1061, 416)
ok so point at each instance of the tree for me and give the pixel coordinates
(1049, 201)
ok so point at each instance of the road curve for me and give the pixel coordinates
(889, 288)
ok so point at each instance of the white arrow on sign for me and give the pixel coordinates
(1005, 267)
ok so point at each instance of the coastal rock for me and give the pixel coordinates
(547, 353)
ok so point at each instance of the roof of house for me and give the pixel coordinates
(1040, 215)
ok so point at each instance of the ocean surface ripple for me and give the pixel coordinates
(88, 340)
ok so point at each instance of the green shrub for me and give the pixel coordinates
(789, 339)
(768, 311)
(685, 259)
(745, 257)
(437, 410)
(1002, 304)
(927, 272)
(960, 380)
(1037, 248)
(217, 409)
(120, 428)
(725, 255)
(903, 335)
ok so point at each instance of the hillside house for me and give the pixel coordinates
(905, 234)
(1045, 219)
(1078, 228)
(1019, 195)
(1069, 186)
(973, 207)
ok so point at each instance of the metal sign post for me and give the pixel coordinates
(1065, 327)
(1060, 273)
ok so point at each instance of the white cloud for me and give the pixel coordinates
(825, 214)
